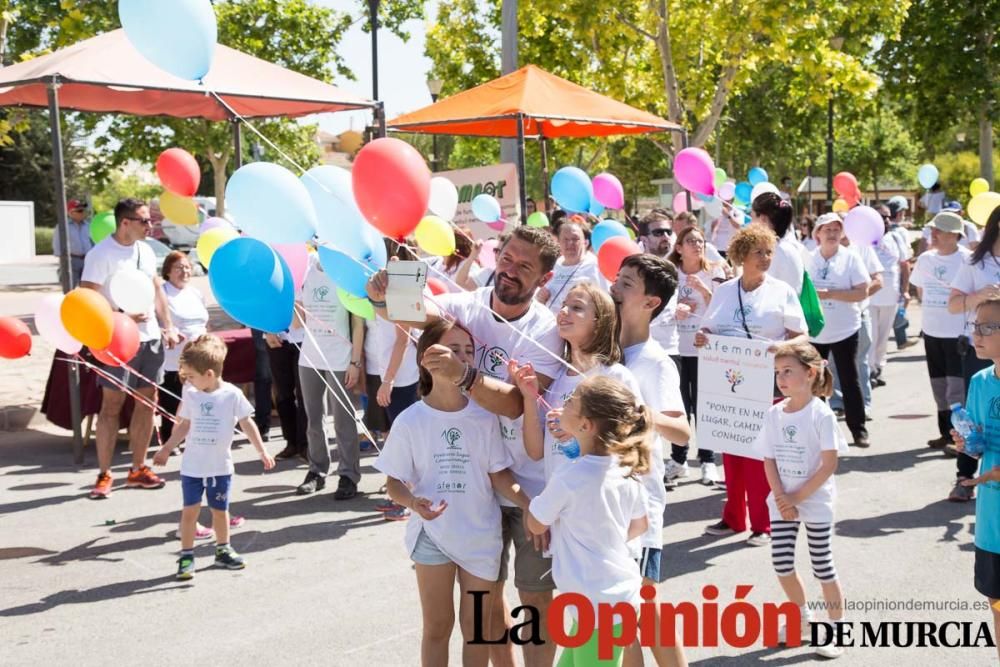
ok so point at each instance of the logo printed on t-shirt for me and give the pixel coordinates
(789, 433)
(206, 408)
(940, 272)
(319, 293)
(994, 411)
(740, 315)
(452, 436)
(686, 292)
(494, 361)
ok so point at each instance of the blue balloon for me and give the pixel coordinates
(596, 207)
(928, 175)
(253, 284)
(756, 175)
(605, 230)
(743, 191)
(338, 219)
(572, 189)
(269, 203)
(351, 273)
(705, 198)
(177, 36)
(486, 208)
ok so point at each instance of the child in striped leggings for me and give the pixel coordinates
(799, 442)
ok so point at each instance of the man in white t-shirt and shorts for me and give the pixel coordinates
(124, 249)
(530, 336)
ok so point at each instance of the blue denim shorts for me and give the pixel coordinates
(649, 563)
(425, 552)
(215, 489)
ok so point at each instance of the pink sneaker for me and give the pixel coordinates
(200, 532)
(236, 521)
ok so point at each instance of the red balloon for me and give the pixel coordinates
(392, 186)
(845, 184)
(613, 252)
(124, 341)
(15, 338)
(178, 171)
(437, 286)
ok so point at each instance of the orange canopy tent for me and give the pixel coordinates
(106, 74)
(531, 103)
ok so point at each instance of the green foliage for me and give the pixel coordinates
(958, 170)
(120, 185)
(43, 240)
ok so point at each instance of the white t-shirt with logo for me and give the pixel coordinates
(327, 321)
(769, 310)
(385, 339)
(795, 442)
(589, 505)
(687, 328)
(108, 258)
(974, 277)
(663, 329)
(844, 270)
(660, 389)
(213, 415)
(495, 343)
(189, 316)
(559, 392)
(787, 263)
(889, 256)
(934, 274)
(449, 456)
(565, 277)
(871, 263)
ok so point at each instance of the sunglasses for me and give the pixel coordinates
(661, 232)
(985, 329)
(144, 221)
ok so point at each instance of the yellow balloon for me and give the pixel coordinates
(978, 186)
(982, 205)
(840, 206)
(178, 209)
(435, 236)
(211, 241)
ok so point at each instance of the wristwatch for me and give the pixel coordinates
(356, 364)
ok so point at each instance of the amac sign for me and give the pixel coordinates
(499, 180)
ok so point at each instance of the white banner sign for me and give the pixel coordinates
(735, 389)
(498, 180)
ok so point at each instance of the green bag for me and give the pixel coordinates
(811, 306)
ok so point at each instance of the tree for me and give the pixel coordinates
(944, 69)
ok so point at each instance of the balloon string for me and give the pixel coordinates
(118, 383)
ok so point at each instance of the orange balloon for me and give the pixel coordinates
(88, 317)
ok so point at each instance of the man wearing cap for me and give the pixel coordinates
(80, 242)
(970, 234)
(933, 274)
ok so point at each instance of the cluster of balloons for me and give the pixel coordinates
(708, 185)
(15, 338)
(180, 175)
(845, 184)
(575, 192)
(84, 317)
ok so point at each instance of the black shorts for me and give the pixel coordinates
(988, 573)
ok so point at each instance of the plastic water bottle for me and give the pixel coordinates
(570, 449)
(960, 419)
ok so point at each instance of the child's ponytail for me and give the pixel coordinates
(623, 425)
(823, 384)
(808, 356)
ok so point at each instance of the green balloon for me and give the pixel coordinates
(358, 305)
(720, 177)
(538, 219)
(102, 226)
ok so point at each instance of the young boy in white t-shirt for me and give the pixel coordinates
(209, 409)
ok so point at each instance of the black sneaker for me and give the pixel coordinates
(939, 443)
(312, 484)
(185, 567)
(288, 452)
(721, 528)
(861, 441)
(346, 489)
(229, 559)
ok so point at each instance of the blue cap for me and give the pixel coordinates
(951, 205)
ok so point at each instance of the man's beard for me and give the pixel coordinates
(510, 295)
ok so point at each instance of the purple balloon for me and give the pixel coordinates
(864, 226)
(213, 223)
(727, 190)
(694, 170)
(608, 191)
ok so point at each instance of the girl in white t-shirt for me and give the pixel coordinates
(444, 458)
(800, 443)
(595, 504)
(586, 324)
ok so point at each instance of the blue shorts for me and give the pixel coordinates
(649, 564)
(215, 489)
(425, 552)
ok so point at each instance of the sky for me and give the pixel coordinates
(402, 69)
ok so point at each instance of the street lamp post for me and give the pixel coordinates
(434, 86)
(373, 18)
(835, 43)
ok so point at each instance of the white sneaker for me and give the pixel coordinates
(675, 470)
(709, 474)
(830, 651)
(805, 632)
(759, 540)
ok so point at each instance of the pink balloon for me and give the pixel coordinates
(680, 202)
(864, 226)
(487, 259)
(694, 170)
(296, 256)
(727, 191)
(498, 225)
(608, 191)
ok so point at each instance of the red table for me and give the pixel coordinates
(240, 366)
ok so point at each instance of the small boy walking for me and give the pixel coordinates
(209, 409)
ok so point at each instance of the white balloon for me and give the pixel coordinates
(50, 326)
(444, 198)
(132, 291)
(761, 188)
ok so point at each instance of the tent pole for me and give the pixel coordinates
(684, 144)
(237, 144)
(58, 177)
(379, 119)
(544, 145)
(521, 185)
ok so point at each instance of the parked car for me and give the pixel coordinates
(161, 250)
